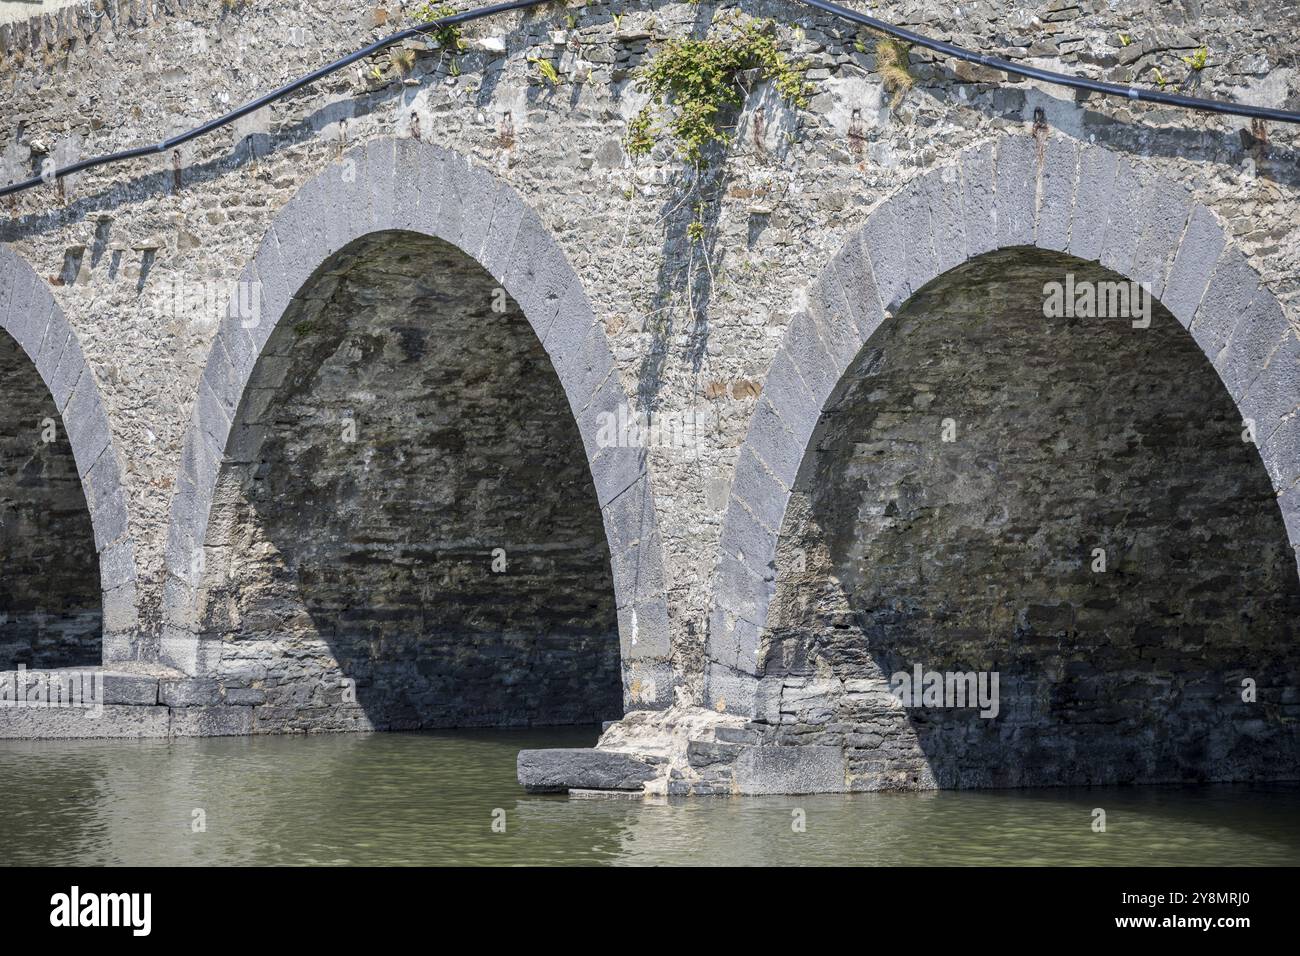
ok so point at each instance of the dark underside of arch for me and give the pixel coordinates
(980, 553)
(50, 601)
(406, 503)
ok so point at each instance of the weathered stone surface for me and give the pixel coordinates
(226, 720)
(200, 692)
(554, 771)
(852, 269)
(130, 689)
(1058, 178)
(1193, 265)
(1162, 219)
(1124, 220)
(1092, 201)
(979, 206)
(118, 720)
(802, 769)
(1016, 191)
(947, 225)
(733, 688)
(1231, 290)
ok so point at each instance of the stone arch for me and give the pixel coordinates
(1054, 194)
(34, 321)
(403, 185)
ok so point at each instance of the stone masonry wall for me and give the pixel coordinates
(693, 323)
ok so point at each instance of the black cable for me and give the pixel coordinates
(843, 13)
(261, 101)
(1059, 79)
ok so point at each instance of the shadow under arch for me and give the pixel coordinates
(407, 195)
(1055, 499)
(1016, 193)
(66, 483)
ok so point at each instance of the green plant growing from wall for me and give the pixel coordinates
(640, 134)
(1195, 64)
(1198, 59)
(893, 62)
(695, 85)
(547, 70)
(695, 231)
(449, 38)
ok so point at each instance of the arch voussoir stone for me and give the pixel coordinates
(852, 268)
(977, 174)
(509, 211)
(616, 463)
(1232, 287)
(829, 310)
(1163, 210)
(1122, 226)
(381, 170)
(1058, 180)
(1017, 191)
(759, 491)
(808, 355)
(947, 218)
(26, 320)
(776, 438)
(405, 185)
(1193, 263)
(1273, 398)
(72, 366)
(1257, 335)
(915, 236)
(466, 192)
(888, 254)
(1097, 171)
(640, 592)
(785, 388)
(539, 274)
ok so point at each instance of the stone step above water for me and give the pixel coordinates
(561, 769)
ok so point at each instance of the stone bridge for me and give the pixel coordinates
(414, 401)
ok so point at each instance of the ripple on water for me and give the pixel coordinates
(429, 798)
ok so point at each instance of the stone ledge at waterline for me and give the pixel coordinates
(133, 700)
(561, 769)
(753, 770)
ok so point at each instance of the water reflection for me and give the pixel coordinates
(429, 799)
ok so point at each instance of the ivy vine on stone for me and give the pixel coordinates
(695, 85)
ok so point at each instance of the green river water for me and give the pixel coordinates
(431, 798)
